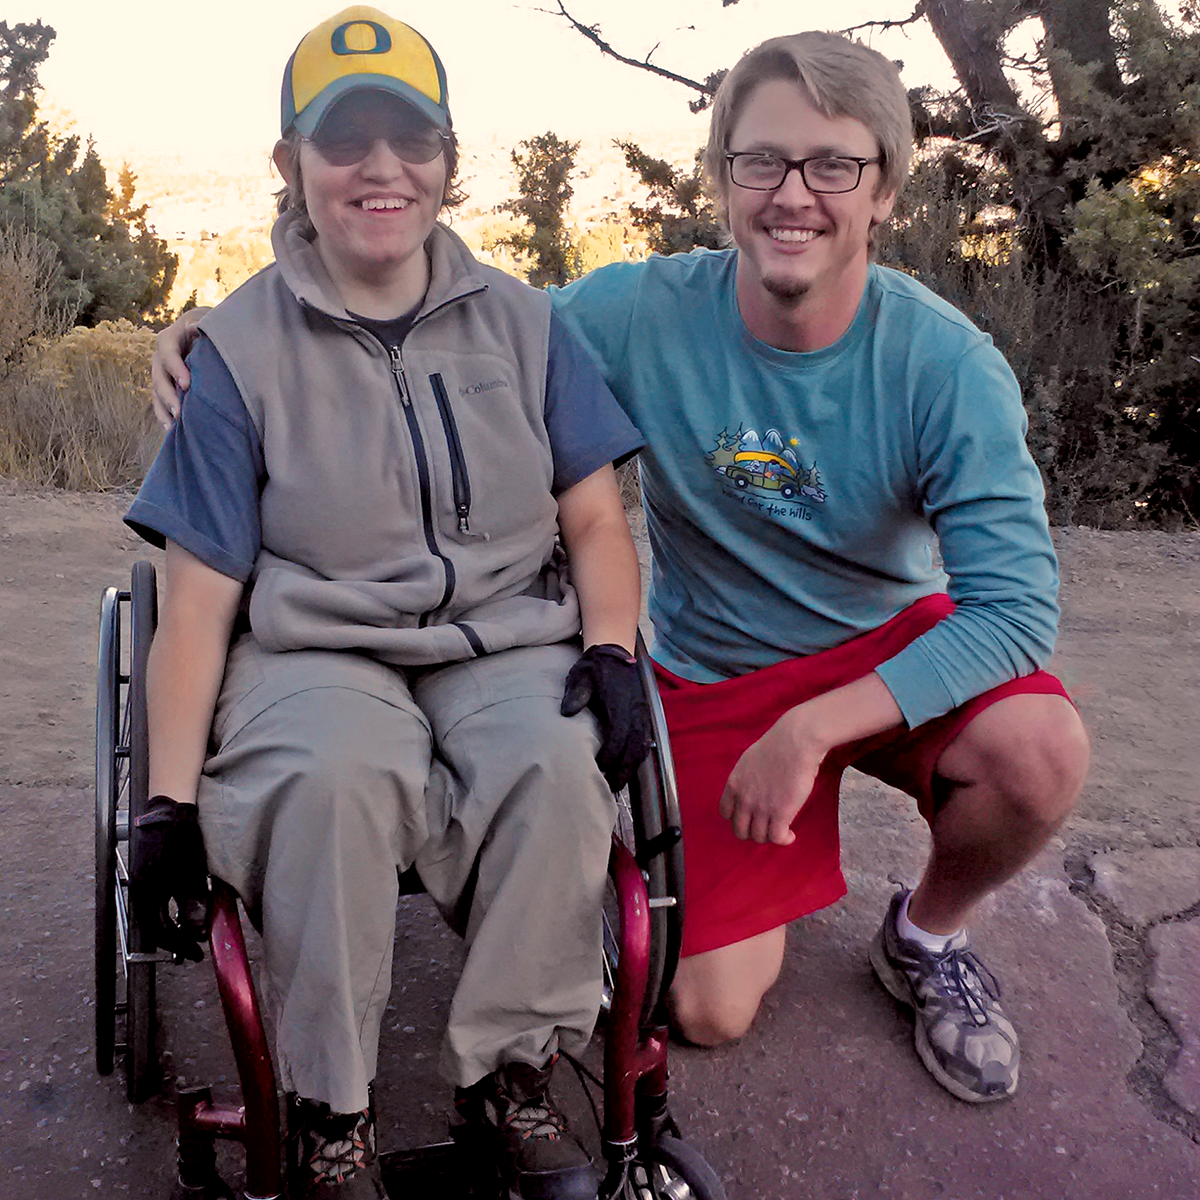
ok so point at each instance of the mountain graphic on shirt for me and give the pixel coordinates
(767, 465)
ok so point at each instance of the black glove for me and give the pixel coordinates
(169, 864)
(605, 679)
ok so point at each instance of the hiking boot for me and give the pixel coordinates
(962, 1034)
(331, 1156)
(537, 1156)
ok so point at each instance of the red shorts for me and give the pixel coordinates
(736, 889)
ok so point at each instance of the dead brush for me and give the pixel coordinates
(74, 419)
(73, 410)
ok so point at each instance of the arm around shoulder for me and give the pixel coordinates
(599, 310)
(168, 373)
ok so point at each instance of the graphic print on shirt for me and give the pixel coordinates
(764, 471)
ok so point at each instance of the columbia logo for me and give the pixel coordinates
(476, 388)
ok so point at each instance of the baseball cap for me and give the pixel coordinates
(361, 47)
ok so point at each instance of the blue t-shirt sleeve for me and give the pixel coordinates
(981, 491)
(202, 492)
(586, 425)
(598, 309)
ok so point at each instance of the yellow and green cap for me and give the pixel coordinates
(361, 48)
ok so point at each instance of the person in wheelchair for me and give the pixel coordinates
(389, 514)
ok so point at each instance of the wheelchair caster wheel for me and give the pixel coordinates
(674, 1171)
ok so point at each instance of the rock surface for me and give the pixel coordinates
(1148, 885)
(1175, 991)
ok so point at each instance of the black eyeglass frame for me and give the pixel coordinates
(444, 140)
(799, 164)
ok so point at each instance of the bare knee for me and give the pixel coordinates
(1031, 751)
(704, 1020)
(716, 995)
(1051, 763)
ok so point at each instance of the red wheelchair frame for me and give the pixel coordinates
(645, 1159)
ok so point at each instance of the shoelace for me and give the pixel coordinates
(335, 1158)
(534, 1118)
(961, 972)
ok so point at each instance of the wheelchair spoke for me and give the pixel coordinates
(122, 919)
(123, 737)
(609, 962)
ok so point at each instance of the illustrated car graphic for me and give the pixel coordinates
(764, 470)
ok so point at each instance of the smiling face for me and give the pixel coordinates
(802, 256)
(371, 216)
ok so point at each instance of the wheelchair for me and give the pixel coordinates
(645, 1158)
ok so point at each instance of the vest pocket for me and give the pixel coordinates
(459, 475)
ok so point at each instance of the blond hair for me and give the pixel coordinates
(841, 79)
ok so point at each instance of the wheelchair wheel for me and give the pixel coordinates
(648, 823)
(141, 1062)
(674, 1171)
(123, 952)
(110, 689)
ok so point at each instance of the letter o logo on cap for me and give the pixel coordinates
(352, 38)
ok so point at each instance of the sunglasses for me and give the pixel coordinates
(347, 147)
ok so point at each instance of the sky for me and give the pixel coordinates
(152, 77)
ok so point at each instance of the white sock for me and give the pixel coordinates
(936, 942)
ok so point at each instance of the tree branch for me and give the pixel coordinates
(997, 123)
(592, 33)
(917, 14)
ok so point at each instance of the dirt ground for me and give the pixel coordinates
(1129, 652)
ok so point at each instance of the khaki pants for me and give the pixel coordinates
(333, 772)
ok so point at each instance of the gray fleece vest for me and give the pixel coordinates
(407, 511)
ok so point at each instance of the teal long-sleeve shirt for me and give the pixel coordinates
(792, 500)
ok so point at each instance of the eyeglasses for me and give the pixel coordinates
(826, 175)
(346, 149)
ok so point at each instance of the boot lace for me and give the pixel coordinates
(340, 1149)
(534, 1118)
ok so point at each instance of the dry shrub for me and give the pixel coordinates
(627, 481)
(28, 315)
(75, 414)
(1061, 337)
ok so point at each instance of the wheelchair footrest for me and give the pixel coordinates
(436, 1172)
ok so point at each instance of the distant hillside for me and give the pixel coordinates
(216, 216)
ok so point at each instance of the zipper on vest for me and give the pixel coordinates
(458, 460)
(398, 372)
(423, 482)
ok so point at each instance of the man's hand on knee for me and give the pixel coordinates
(770, 783)
(772, 780)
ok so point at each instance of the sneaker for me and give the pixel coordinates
(331, 1156)
(962, 1034)
(537, 1156)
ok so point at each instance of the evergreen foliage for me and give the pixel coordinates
(111, 264)
(1072, 235)
(544, 165)
(679, 215)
